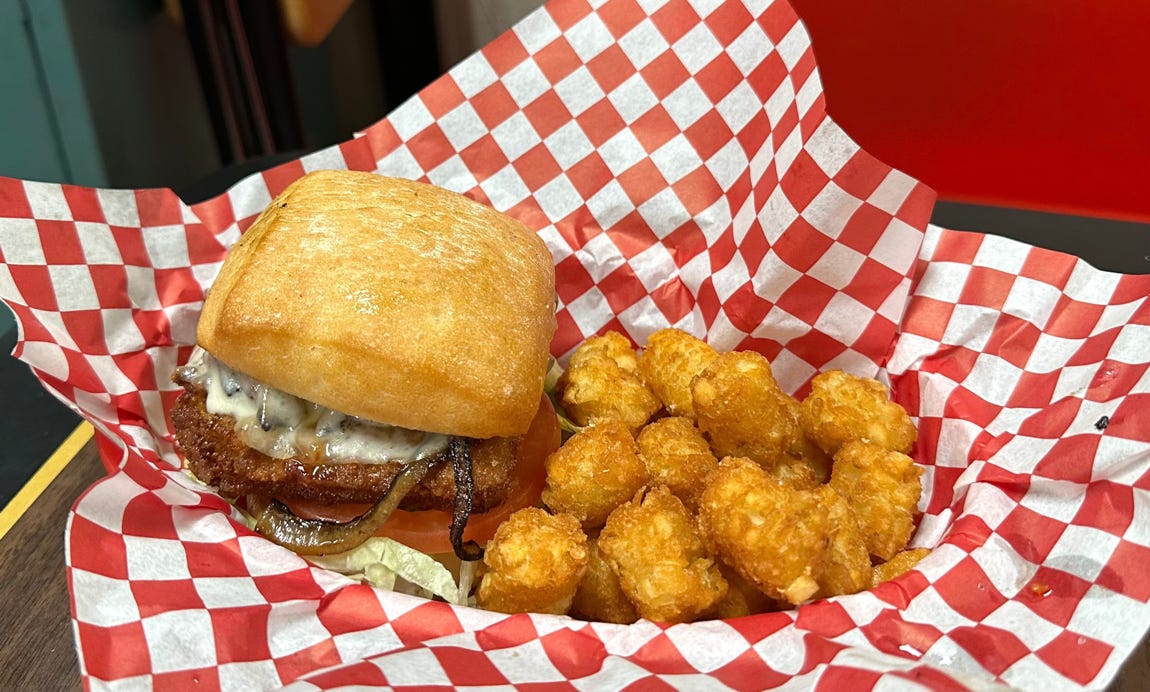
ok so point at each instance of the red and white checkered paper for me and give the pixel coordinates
(678, 160)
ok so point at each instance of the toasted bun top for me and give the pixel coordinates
(392, 300)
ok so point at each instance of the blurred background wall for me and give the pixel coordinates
(192, 94)
(119, 93)
(108, 92)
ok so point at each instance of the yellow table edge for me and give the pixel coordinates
(44, 476)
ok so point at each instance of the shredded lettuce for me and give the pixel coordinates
(552, 377)
(467, 573)
(550, 382)
(389, 564)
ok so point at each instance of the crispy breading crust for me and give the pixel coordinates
(217, 456)
(843, 407)
(653, 546)
(670, 361)
(594, 472)
(599, 596)
(772, 534)
(602, 382)
(883, 489)
(535, 563)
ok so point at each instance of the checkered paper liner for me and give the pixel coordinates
(678, 161)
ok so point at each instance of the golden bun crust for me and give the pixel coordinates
(392, 300)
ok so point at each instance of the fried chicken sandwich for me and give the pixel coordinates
(371, 358)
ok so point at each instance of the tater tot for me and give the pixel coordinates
(654, 548)
(806, 450)
(602, 382)
(594, 472)
(843, 407)
(534, 564)
(899, 564)
(743, 598)
(612, 345)
(677, 455)
(846, 564)
(882, 488)
(671, 359)
(599, 597)
(814, 458)
(773, 535)
(796, 473)
(742, 411)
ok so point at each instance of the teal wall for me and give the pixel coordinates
(48, 133)
(105, 94)
(35, 152)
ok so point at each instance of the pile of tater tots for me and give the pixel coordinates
(696, 488)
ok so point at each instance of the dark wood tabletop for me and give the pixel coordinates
(38, 649)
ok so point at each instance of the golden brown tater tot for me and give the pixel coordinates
(594, 472)
(742, 411)
(671, 359)
(806, 450)
(534, 563)
(898, 565)
(613, 345)
(743, 598)
(843, 407)
(677, 455)
(654, 548)
(773, 535)
(602, 382)
(599, 597)
(846, 564)
(882, 488)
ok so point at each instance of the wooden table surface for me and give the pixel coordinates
(37, 649)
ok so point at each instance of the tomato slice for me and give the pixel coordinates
(427, 530)
(340, 513)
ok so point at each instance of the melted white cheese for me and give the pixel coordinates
(282, 426)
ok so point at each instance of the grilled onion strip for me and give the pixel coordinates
(459, 452)
(318, 537)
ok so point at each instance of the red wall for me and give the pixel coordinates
(1039, 104)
